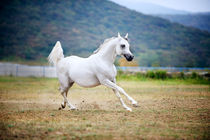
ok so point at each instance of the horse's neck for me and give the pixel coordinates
(108, 52)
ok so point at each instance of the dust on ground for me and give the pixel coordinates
(29, 110)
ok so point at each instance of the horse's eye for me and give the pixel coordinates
(122, 46)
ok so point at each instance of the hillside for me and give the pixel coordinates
(148, 8)
(199, 20)
(29, 30)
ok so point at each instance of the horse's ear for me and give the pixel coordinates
(126, 36)
(118, 35)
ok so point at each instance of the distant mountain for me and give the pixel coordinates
(29, 30)
(148, 8)
(198, 20)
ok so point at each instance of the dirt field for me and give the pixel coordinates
(167, 110)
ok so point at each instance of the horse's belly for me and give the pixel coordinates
(84, 78)
(87, 81)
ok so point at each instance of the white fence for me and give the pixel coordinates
(25, 70)
(49, 71)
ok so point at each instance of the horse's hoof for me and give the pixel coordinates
(74, 108)
(129, 109)
(63, 106)
(59, 108)
(135, 104)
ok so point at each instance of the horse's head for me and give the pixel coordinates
(123, 48)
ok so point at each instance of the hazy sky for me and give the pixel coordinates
(186, 5)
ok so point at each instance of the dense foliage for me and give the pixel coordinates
(191, 77)
(29, 30)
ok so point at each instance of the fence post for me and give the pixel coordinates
(16, 70)
(43, 71)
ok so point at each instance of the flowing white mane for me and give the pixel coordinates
(103, 44)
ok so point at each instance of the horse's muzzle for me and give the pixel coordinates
(128, 57)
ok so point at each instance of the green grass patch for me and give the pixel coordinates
(163, 77)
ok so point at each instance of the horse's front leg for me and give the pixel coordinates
(121, 100)
(112, 85)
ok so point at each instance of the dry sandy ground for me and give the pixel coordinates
(167, 110)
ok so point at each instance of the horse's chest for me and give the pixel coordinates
(108, 71)
(110, 74)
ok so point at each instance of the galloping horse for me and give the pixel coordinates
(97, 69)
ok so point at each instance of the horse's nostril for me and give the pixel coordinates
(128, 57)
(131, 56)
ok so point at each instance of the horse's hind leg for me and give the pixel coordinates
(64, 94)
(63, 104)
(65, 84)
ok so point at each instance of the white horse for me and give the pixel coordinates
(97, 69)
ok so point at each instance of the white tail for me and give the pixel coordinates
(56, 54)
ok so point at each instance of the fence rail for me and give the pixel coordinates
(49, 71)
(25, 70)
